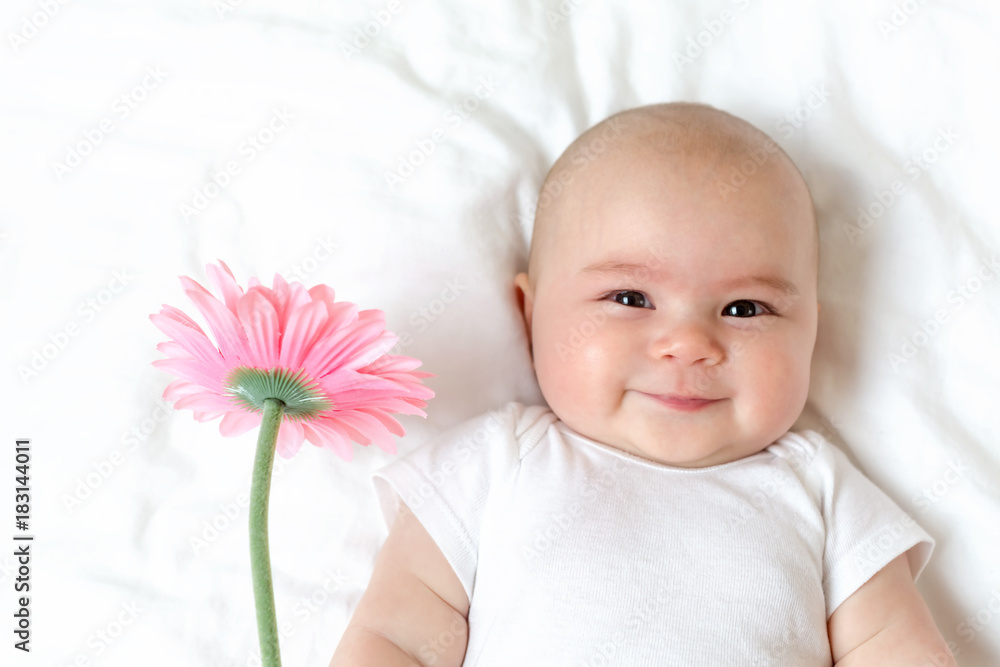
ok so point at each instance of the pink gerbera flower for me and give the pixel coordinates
(326, 361)
(298, 365)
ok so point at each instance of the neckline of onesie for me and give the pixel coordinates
(565, 429)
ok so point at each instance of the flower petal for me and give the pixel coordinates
(194, 341)
(205, 401)
(349, 386)
(394, 404)
(367, 426)
(303, 326)
(341, 314)
(192, 370)
(290, 297)
(371, 352)
(389, 363)
(323, 293)
(225, 283)
(239, 422)
(298, 297)
(173, 349)
(260, 321)
(326, 435)
(228, 333)
(391, 424)
(290, 438)
(288, 328)
(337, 350)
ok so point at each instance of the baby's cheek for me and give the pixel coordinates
(553, 368)
(786, 385)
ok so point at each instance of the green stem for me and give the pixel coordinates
(260, 557)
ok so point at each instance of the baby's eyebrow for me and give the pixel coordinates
(774, 282)
(615, 268)
(631, 269)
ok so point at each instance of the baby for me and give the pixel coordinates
(658, 511)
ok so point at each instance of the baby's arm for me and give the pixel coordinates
(886, 623)
(414, 611)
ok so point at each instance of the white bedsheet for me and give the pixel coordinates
(393, 149)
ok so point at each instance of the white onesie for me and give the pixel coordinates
(576, 553)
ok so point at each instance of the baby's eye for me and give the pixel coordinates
(631, 298)
(745, 308)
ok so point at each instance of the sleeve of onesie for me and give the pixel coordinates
(446, 482)
(865, 528)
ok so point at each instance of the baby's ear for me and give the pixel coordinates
(524, 294)
(525, 300)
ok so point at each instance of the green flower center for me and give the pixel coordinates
(250, 387)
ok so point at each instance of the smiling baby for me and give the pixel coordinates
(658, 510)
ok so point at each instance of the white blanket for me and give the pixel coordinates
(392, 149)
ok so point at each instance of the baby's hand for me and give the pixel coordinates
(414, 610)
(886, 623)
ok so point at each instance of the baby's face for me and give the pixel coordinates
(670, 322)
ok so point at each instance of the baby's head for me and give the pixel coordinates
(674, 259)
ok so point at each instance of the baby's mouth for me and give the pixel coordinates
(684, 403)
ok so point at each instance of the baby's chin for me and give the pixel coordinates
(713, 454)
(683, 441)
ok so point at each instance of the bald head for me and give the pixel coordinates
(727, 149)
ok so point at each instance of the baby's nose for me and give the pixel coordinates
(688, 343)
